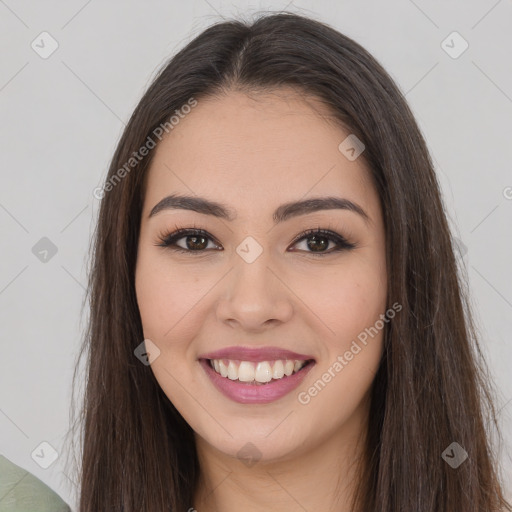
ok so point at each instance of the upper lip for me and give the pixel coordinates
(255, 354)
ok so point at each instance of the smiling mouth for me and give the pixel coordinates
(257, 373)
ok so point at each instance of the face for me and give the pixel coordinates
(246, 289)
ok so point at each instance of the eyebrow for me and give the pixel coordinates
(281, 214)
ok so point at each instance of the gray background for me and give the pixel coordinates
(62, 116)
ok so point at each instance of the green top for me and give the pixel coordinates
(21, 491)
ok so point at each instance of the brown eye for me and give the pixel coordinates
(318, 240)
(317, 243)
(195, 240)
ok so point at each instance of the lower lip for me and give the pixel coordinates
(255, 394)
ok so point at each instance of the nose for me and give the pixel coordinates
(254, 297)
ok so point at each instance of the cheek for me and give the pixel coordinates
(168, 300)
(346, 299)
(351, 355)
(166, 296)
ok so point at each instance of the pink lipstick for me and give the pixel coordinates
(251, 375)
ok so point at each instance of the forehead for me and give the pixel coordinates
(248, 150)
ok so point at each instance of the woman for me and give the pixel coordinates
(277, 320)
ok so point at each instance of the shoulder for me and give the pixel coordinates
(20, 491)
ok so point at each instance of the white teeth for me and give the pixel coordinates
(261, 372)
(232, 371)
(278, 372)
(246, 372)
(223, 369)
(288, 367)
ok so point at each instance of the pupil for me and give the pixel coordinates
(316, 240)
(195, 244)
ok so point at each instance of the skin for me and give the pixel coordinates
(254, 154)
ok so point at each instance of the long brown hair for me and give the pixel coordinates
(432, 387)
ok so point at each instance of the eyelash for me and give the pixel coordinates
(167, 240)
